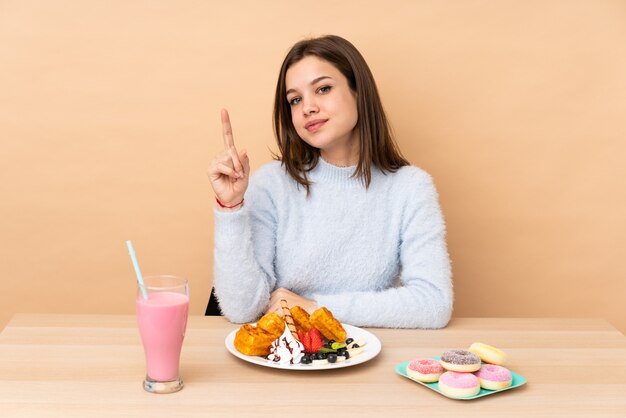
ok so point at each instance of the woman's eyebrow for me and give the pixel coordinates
(316, 80)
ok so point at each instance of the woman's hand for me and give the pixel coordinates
(229, 171)
(292, 299)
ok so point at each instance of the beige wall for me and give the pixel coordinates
(109, 116)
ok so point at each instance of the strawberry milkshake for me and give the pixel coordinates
(162, 320)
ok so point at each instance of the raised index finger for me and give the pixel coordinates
(227, 130)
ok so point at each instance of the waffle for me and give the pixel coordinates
(325, 322)
(301, 318)
(256, 340)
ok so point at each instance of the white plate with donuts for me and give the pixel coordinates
(517, 381)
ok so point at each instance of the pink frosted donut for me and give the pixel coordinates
(494, 377)
(459, 385)
(424, 370)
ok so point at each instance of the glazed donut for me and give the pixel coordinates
(488, 354)
(460, 361)
(459, 385)
(494, 377)
(424, 370)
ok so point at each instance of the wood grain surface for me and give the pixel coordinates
(93, 366)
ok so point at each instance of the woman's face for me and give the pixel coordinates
(323, 107)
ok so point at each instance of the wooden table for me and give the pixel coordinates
(93, 366)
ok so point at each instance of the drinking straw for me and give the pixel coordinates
(142, 286)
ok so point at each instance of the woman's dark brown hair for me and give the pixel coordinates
(376, 141)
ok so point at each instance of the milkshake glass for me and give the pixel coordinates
(162, 320)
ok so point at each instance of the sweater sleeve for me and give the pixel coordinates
(423, 297)
(244, 250)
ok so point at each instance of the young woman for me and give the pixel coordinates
(341, 219)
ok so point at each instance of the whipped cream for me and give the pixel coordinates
(286, 349)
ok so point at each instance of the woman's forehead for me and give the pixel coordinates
(310, 70)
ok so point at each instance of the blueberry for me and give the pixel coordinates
(331, 342)
(349, 341)
(355, 346)
(321, 356)
(332, 358)
(346, 355)
(305, 360)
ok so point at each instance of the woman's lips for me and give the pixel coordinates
(315, 125)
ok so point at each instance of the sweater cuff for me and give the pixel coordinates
(230, 224)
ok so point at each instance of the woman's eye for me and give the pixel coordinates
(324, 89)
(294, 101)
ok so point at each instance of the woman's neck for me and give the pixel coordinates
(346, 157)
(341, 162)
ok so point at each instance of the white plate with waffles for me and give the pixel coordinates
(371, 348)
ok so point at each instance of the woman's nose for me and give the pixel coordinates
(310, 107)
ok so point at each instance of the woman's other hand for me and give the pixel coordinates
(292, 299)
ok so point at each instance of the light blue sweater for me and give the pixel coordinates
(374, 257)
